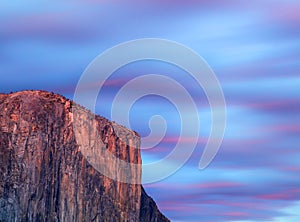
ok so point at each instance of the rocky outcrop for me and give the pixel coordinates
(44, 172)
(148, 210)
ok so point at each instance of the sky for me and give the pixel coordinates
(253, 47)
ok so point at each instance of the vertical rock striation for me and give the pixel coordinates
(44, 175)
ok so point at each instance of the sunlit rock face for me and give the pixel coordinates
(44, 172)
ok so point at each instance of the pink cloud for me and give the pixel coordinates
(290, 168)
(184, 139)
(215, 185)
(235, 214)
(170, 206)
(284, 127)
(287, 105)
(211, 185)
(285, 195)
(287, 13)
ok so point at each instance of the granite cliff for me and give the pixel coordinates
(44, 175)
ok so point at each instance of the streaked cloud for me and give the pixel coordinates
(253, 47)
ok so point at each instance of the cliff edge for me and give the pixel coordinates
(44, 176)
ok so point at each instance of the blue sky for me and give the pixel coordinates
(254, 50)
